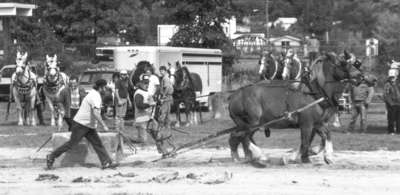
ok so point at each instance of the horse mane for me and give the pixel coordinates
(320, 66)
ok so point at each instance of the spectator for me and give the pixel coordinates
(361, 95)
(144, 107)
(154, 81)
(166, 90)
(70, 100)
(391, 96)
(313, 48)
(122, 100)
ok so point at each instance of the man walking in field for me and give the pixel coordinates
(84, 125)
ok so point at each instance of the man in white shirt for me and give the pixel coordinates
(84, 125)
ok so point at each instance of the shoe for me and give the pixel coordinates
(109, 165)
(49, 162)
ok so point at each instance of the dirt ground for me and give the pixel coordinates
(363, 164)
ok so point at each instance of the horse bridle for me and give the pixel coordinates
(320, 89)
(23, 88)
(55, 84)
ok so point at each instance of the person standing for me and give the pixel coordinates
(166, 91)
(361, 95)
(313, 48)
(70, 100)
(122, 100)
(144, 107)
(391, 96)
(84, 125)
(154, 81)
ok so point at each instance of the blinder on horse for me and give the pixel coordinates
(343, 71)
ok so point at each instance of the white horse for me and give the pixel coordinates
(54, 82)
(293, 68)
(23, 88)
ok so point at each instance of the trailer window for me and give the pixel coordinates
(104, 54)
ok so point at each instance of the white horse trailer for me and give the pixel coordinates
(205, 62)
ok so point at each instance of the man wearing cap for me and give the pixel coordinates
(391, 96)
(84, 125)
(144, 106)
(361, 95)
(122, 100)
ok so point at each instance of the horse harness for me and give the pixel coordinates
(24, 88)
(53, 86)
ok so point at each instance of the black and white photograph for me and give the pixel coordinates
(158, 97)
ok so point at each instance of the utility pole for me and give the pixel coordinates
(266, 25)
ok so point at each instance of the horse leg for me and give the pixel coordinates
(19, 108)
(178, 115)
(234, 142)
(51, 107)
(31, 111)
(319, 148)
(258, 159)
(306, 131)
(328, 151)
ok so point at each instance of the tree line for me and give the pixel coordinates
(83, 21)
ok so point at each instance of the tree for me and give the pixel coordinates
(201, 25)
(78, 21)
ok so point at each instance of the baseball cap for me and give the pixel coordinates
(123, 72)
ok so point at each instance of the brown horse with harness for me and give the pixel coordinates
(267, 100)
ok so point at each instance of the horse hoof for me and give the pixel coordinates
(305, 160)
(328, 160)
(20, 123)
(259, 163)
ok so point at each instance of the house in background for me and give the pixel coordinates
(243, 40)
(255, 43)
(285, 23)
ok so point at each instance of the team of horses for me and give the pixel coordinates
(286, 85)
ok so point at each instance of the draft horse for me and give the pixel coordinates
(24, 90)
(185, 86)
(264, 101)
(54, 82)
(284, 67)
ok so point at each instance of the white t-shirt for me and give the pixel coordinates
(153, 82)
(85, 115)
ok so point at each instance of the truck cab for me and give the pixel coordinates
(6, 73)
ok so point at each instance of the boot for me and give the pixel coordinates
(49, 162)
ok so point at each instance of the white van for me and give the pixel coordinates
(205, 62)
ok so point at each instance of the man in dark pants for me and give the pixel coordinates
(361, 95)
(84, 124)
(70, 99)
(391, 97)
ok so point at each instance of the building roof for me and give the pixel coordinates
(16, 9)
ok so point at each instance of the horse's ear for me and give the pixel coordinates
(55, 57)
(25, 55)
(47, 57)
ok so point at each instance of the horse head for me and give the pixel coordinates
(268, 66)
(52, 69)
(21, 62)
(182, 79)
(289, 62)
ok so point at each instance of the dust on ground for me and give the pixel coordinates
(204, 171)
